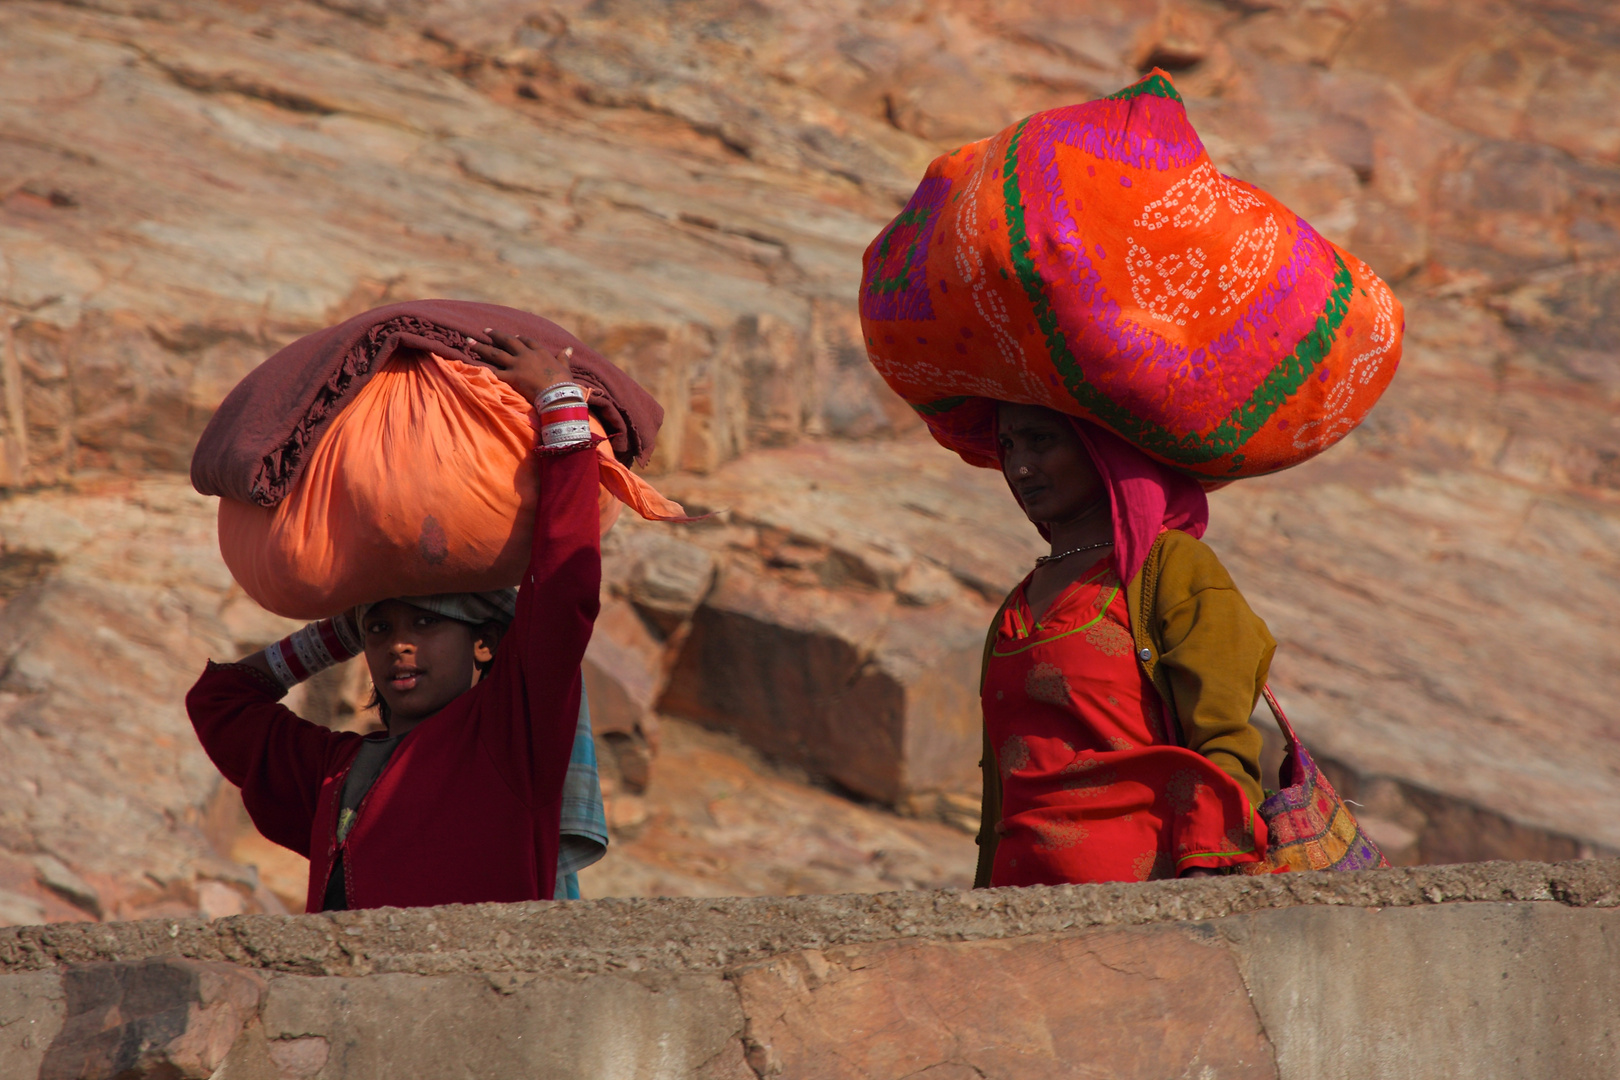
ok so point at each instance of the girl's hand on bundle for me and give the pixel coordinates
(519, 362)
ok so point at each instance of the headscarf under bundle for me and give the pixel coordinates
(1146, 497)
(475, 608)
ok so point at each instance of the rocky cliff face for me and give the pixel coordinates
(185, 186)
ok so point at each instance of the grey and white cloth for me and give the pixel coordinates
(477, 608)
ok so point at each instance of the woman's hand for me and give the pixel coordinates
(519, 362)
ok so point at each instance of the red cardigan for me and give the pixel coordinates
(466, 811)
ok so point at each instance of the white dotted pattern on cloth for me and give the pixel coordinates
(1333, 424)
(1172, 287)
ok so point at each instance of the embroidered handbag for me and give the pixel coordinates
(1310, 826)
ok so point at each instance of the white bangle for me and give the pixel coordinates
(566, 433)
(563, 391)
(312, 648)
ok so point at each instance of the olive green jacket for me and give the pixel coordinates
(1205, 651)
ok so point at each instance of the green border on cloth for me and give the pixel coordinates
(1154, 85)
(936, 408)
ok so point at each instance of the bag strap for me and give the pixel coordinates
(1281, 717)
(990, 804)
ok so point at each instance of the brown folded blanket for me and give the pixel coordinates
(254, 448)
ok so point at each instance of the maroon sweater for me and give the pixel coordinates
(466, 810)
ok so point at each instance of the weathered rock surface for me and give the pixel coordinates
(716, 821)
(665, 934)
(958, 1017)
(100, 771)
(235, 178)
(1444, 627)
(186, 185)
(173, 1018)
(691, 185)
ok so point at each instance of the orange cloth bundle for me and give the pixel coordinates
(1092, 260)
(424, 483)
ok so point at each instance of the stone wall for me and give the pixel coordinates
(1507, 970)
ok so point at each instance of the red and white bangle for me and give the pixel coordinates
(316, 647)
(564, 419)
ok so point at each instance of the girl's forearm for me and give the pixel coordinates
(313, 648)
(566, 558)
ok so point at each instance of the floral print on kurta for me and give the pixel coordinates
(1093, 789)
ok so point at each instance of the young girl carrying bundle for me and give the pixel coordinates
(460, 801)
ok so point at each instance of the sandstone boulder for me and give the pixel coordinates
(623, 670)
(851, 686)
(846, 630)
(720, 820)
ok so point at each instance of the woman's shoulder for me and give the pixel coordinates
(1015, 594)
(1187, 565)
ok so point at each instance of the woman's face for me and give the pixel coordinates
(1046, 463)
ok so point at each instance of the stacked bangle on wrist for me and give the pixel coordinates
(316, 647)
(564, 419)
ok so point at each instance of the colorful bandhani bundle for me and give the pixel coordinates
(1091, 259)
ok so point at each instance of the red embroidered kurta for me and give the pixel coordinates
(467, 809)
(1093, 789)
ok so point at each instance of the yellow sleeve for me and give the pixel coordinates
(1214, 653)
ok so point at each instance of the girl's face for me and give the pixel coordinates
(1046, 463)
(419, 661)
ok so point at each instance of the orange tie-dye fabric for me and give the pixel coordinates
(1092, 259)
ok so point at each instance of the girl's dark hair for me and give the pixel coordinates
(489, 633)
(376, 702)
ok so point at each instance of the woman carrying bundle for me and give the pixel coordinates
(481, 693)
(1086, 303)
(1119, 675)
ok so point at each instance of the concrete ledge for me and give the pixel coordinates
(1483, 970)
(682, 934)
